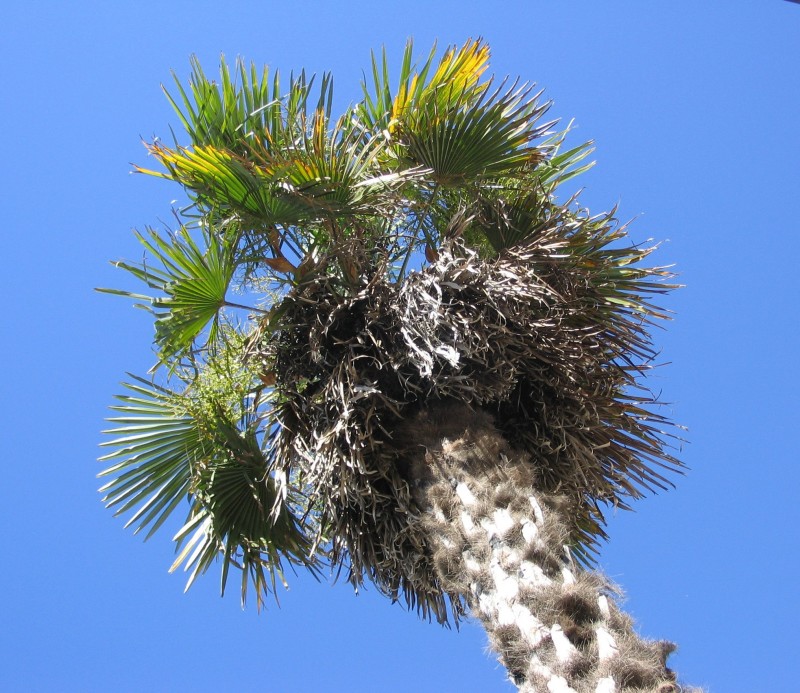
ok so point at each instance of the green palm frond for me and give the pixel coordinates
(335, 168)
(176, 448)
(289, 171)
(505, 223)
(516, 208)
(559, 167)
(194, 281)
(250, 142)
(452, 123)
(471, 138)
(262, 194)
(239, 515)
(244, 106)
(155, 446)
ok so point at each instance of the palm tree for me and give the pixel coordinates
(386, 347)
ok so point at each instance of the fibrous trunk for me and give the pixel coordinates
(500, 542)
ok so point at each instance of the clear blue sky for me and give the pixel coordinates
(695, 109)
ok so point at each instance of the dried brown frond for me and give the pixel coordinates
(549, 339)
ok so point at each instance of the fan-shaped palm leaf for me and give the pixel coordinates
(228, 182)
(155, 448)
(172, 447)
(454, 124)
(558, 167)
(194, 282)
(243, 107)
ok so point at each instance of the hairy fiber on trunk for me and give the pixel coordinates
(499, 541)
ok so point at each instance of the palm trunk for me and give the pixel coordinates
(501, 543)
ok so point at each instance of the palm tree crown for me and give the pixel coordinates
(331, 278)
